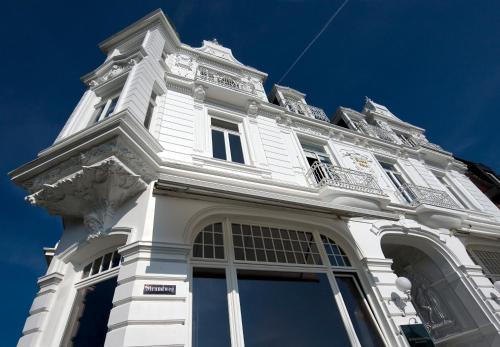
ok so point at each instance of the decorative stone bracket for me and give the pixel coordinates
(93, 193)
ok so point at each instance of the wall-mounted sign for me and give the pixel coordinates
(417, 335)
(159, 289)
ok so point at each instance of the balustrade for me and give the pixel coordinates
(325, 174)
(224, 80)
(423, 195)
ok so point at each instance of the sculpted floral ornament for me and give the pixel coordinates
(93, 193)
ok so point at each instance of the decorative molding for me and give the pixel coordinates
(114, 147)
(199, 93)
(360, 161)
(94, 193)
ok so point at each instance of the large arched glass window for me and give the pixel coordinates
(270, 285)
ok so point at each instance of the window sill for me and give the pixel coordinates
(218, 164)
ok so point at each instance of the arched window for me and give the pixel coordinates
(267, 274)
(88, 321)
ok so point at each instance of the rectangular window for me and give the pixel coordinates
(88, 323)
(359, 312)
(317, 154)
(210, 310)
(226, 141)
(149, 112)
(398, 181)
(489, 260)
(106, 109)
(289, 309)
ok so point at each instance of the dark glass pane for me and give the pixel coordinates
(210, 311)
(86, 270)
(223, 124)
(89, 321)
(239, 254)
(236, 151)
(218, 239)
(198, 251)
(96, 266)
(289, 309)
(111, 107)
(218, 145)
(116, 259)
(358, 312)
(219, 252)
(106, 261)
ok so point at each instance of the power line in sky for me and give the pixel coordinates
(313, 40)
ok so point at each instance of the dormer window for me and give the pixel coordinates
(226, 141)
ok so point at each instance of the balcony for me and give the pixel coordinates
(374, 131)
(306, 110)
(220, 79)
(347, 187)
(422, 195)
(434, 208)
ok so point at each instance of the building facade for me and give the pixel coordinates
(484, 178)
(200, 211)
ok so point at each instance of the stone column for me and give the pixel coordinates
(139, 319)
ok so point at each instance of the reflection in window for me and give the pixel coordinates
(209, 243)
(210, 310)
(336, 255)
(360, 316)
(274, 245)
(289, 309)
(88, 323)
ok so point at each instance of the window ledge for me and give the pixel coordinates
(219, 164)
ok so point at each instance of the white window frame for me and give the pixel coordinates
(230, 265)
(100, 114)
(227, 146)
(391, 175)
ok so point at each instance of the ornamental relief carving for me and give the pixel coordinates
(183, 65)
(112, 72)
(113, 147)
(93, 193)
(361, 162)
(310, 130)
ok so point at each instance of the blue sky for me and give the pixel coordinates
(435, 64)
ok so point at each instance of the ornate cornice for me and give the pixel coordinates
(93, 193)
(114, 147)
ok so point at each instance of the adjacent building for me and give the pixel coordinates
(199, 210)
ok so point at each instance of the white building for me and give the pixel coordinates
(200, 212)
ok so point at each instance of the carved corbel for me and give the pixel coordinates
(199, 93)
(93, 193)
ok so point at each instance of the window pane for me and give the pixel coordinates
(88, 324)
(111, 107)
(218, 145)
(236, 151)
(210, 311)
(358, 312)
(289, 309)
(225, 125)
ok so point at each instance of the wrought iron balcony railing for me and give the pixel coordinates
(224, 80)
(306, 110)
(375, 131)
(418, 195)
(328, 175)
